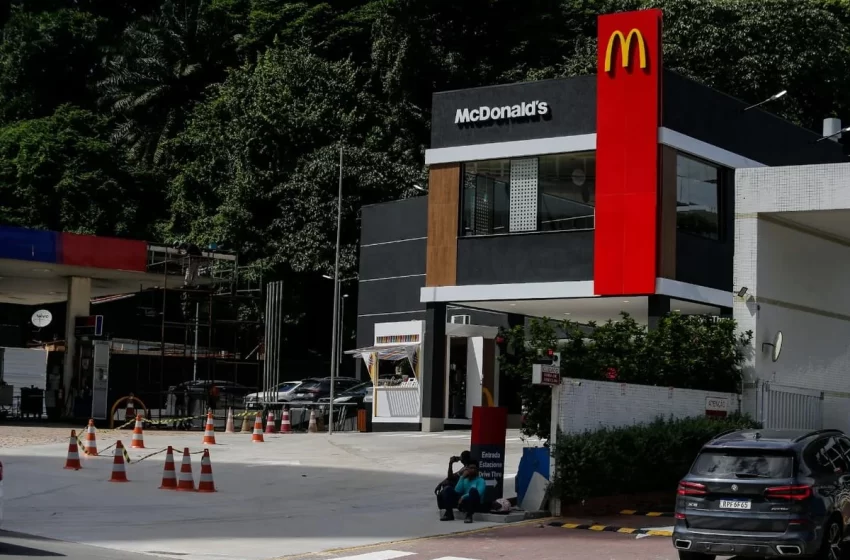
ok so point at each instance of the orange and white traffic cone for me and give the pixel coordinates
(285, 424)
(90, 444)
(312, 427)
(228, 427)
(169, 476)
(138, 435)
(205, 482)
(186, 483)
(119, 471)
(209, 430)
(73, 460)
(270, 423)
(246, 423)
(257, 436)
(130, 411)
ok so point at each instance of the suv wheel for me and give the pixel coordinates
(831, 548)
(687, 555)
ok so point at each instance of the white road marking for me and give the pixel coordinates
(465, 436)
(453, 558)
(379, 555)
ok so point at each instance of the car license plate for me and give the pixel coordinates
(734, 504)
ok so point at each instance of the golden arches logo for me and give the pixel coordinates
(626, 47)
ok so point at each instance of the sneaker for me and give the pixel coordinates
(468, 518)
(448, 516)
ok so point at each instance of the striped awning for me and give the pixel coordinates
(394, 353)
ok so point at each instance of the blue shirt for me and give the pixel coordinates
(464, 485)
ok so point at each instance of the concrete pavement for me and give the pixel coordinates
(17, 546)
(294, 494)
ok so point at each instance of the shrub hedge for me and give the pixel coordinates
(635, 459)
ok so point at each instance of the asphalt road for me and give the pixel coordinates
(17, 546)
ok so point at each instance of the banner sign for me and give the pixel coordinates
(544, 374)
(489, 428)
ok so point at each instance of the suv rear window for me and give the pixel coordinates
(723, 464)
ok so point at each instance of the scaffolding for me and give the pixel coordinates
(208, 317)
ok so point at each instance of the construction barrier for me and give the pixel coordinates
(128, 398)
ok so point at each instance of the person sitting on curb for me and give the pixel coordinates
(451, 476)
(466, 496)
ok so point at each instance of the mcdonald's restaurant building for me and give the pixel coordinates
(576, 198)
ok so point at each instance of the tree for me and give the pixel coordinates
(161, 69)
(62, 173)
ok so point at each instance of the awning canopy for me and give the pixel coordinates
(393, 352)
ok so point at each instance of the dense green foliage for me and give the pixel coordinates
(684, 351)
(222, 119)
(643, 458)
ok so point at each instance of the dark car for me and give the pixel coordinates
(315, 389)
(766, 493)
(230, 393)
(351, 396)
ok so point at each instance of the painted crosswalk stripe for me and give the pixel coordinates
(378, 555)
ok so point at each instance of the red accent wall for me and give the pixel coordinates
(627, 121)
(102, 252)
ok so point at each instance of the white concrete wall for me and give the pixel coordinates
(589, 405)
(797, 283)
(24, 367)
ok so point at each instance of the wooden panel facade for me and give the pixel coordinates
(443, 214)
(667, 214)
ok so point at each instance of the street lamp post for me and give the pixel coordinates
(341, 328)
(336, 301)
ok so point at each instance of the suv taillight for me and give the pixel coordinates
(691, 489)
(797, 493)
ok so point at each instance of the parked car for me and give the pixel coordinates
(1, 493)
(765, 493)
(313, 390)
(354, 395)
(284, 391)
(230, 393)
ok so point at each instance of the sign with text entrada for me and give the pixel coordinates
(521, 110)
(487, 446)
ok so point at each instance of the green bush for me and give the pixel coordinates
(642, 458)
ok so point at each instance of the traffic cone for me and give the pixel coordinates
(312, 427)
(205, 482)
(119, 472)
(246, 423)
(186, 483)
(285, 425)
(270, 423)
(209, 430)
(73, 460)
(90, 444)
(228, 427)
(130, 411)
(257, 436)
(169, 477)
(138, 435)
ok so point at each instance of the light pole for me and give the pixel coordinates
(336, 300)
(341, 327)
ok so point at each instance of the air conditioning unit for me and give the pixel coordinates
(461, 319)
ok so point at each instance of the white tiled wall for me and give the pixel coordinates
(797, 283)
(590, 405)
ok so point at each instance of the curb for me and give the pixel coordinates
(613, 529)
(647, 513)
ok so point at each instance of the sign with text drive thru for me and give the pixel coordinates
(489, 428)
(717, 407)
(545, 374)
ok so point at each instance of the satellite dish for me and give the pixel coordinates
(777, 346)
(42, 318)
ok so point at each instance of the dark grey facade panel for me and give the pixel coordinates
(366, 325)
(390, 296)
(540, 257)
(571, 110)
(716, 118)
(479, 317)
(393, 259)
(393, 221)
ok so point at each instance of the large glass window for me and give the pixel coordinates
(697, 197)
(567, 185)
(486, 197)
(551, 193)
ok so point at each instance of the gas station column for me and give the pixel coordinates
(79, 305)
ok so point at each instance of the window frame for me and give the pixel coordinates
(722, 179)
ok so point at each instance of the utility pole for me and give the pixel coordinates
(334, 359)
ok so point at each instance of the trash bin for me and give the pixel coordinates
(32, 401)
(364, 419)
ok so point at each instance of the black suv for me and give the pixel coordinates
(765, 493)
